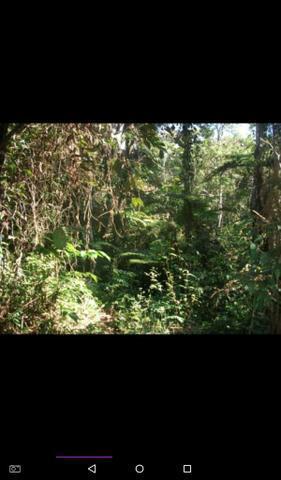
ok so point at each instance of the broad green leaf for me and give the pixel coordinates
(59, 238)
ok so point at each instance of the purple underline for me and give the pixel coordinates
(77, 457)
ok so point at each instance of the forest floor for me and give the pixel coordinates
(86, 323)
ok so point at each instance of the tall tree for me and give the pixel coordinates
(272, 214)
(187, 138)
(257, 190)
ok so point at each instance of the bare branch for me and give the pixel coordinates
(260, 216)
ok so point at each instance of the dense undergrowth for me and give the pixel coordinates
(100, 237)
(164, 288)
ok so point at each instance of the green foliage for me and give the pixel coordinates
(47, 297)
(137, 202)
(91, 254)
(137, 228)
(59, 238)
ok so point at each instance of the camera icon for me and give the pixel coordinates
(14, 468)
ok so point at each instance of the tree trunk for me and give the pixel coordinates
(220, 208)
(188, 177)
(256, 200)
(273, 213)
(267, 210)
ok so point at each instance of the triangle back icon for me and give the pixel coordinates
(93, 469)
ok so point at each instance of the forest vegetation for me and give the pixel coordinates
(140, 228)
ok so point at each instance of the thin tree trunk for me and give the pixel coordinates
(256, 200)
(188, 176)
(220, 208)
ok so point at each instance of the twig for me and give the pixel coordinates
(260, 216)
